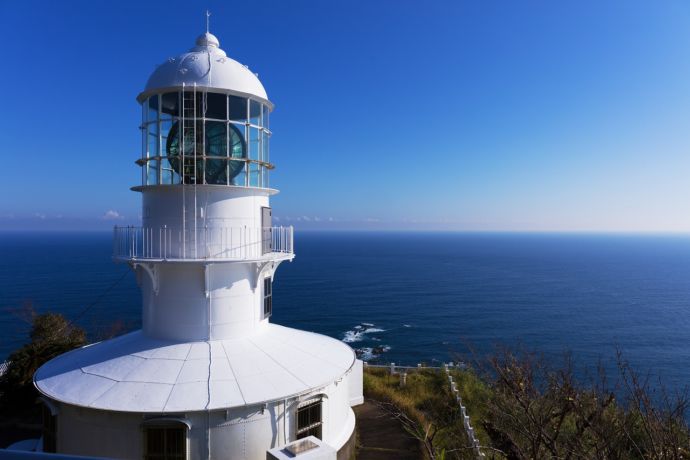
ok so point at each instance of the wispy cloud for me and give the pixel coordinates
(112, 215)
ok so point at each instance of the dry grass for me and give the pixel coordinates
(426, 401)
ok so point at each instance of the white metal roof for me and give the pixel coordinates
(206, 66)
(135, 373)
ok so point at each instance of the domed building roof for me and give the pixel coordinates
(136, 373)
(207, 66)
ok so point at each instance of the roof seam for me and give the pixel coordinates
(100, 395)
(189, 350)
(316, 356)
(279, 365)
(222, 343)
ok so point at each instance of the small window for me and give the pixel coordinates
(268, 297)
(165, 442)
(309, 420)
(216, 106)
(170, 104)
(237, 108)
(49, 430)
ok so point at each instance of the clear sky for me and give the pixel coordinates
(457, 115)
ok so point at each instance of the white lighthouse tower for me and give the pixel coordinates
(208, 375)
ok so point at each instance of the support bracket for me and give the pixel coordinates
(262, 267)
(152, 271)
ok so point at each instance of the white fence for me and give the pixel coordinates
(215, 243)
(469, 429)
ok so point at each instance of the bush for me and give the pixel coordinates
(51, 335)
(536, 410)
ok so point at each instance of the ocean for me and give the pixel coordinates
(410, 297)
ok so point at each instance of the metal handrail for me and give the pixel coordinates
(201, 243)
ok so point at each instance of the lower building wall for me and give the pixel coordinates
(239, 433)
(348, 451)
(245, 434)
(355, 381)
(98, 433)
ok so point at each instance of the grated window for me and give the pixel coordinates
(309, 421)
(165, 442)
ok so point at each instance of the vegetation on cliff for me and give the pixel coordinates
(51, 335)
(521, 407)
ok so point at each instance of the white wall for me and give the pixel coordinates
(214, 206)
(182, 311)
(355, 383)
(98, 433)
(239, 433)
(196, 301)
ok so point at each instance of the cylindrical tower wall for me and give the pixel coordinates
(212, 206)
(202, 302)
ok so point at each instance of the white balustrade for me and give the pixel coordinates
(202, 243)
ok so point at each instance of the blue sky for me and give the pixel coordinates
(458, 115)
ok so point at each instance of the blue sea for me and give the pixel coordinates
(411, 297)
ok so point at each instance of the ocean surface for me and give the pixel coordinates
(410, 297)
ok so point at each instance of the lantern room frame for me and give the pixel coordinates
(189, 107)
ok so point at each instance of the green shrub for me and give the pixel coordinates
(51, 335)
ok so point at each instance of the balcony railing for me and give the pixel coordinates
(202, 243)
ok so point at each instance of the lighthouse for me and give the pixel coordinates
(208, 375)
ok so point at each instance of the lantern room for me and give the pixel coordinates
(205, 121)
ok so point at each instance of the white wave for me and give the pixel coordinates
(357, 333)
(369, 353)
(352, 336)
(366, 353)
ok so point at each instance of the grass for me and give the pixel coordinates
(427, 401)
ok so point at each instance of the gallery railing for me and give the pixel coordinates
(200, 243)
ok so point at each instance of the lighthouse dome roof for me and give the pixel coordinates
(206, 66)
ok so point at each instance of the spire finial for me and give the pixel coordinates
(208, 15)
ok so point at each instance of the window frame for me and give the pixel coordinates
(268, 297)
(312, 428)
(166, 424)
(158, 111)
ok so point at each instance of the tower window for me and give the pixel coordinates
(165, 442)
(309, 421)
(268, 297)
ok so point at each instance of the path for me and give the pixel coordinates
(381, 437)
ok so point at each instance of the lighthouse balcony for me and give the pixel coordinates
(213, 244)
